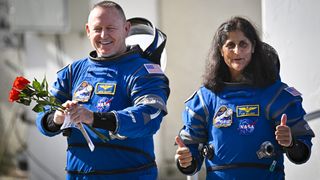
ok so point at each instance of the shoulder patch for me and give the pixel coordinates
(293, 91)
(153, 68)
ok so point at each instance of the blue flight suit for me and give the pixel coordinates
(236, 122)
(132, 88)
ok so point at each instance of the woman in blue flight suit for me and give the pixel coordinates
(243, 118)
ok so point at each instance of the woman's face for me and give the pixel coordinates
(237, 52)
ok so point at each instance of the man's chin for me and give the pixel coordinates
(106, 55)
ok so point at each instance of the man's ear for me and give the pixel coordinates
(87, 30)
(127, 27)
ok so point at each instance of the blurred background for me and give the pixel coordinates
(39, 37)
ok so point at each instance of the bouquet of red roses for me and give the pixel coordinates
(24, 93)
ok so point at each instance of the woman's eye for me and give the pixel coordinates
(230, 45)
(243, 44)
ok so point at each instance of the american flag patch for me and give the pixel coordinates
(293, 91)
(153, 68)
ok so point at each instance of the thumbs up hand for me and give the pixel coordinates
(183, 154)
(283, 132)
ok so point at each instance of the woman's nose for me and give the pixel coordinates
(236, 49)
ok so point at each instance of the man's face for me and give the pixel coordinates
(107, 31)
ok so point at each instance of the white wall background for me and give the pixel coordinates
(292, 27)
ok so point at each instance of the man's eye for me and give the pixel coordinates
(97, 29)
(111, 28)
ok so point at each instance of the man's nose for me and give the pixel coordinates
(104, 33)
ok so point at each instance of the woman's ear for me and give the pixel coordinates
(253, 47)
(221, 52)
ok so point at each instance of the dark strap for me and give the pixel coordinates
(243, 165)
(114, 146)
(115, 171)
(151, 163)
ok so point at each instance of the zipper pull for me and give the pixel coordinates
(272, 166)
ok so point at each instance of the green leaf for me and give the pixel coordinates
(27, 91)
(22, 95)
(36, 85)
(42, 102)
(52, 99)
(38, 108)
(25, 101)
(43, 84)
(100, 135)
(42, 94)
(46, 85)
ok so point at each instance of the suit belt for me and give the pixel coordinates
(243, 165)
(151, 163)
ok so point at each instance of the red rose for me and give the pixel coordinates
(14, 95)
(20, 83)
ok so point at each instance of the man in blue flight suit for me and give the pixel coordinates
(116, 91)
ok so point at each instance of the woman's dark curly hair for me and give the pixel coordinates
(261, 70)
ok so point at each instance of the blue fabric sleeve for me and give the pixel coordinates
(149, 94)
(59, 90)
(41, 118)
(195, 120)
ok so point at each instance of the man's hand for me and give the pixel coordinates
(283, 132)
(59, 115)
(183, 154)
(81, 114)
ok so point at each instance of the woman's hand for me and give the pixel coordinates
(283, 132)
(183, 154)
